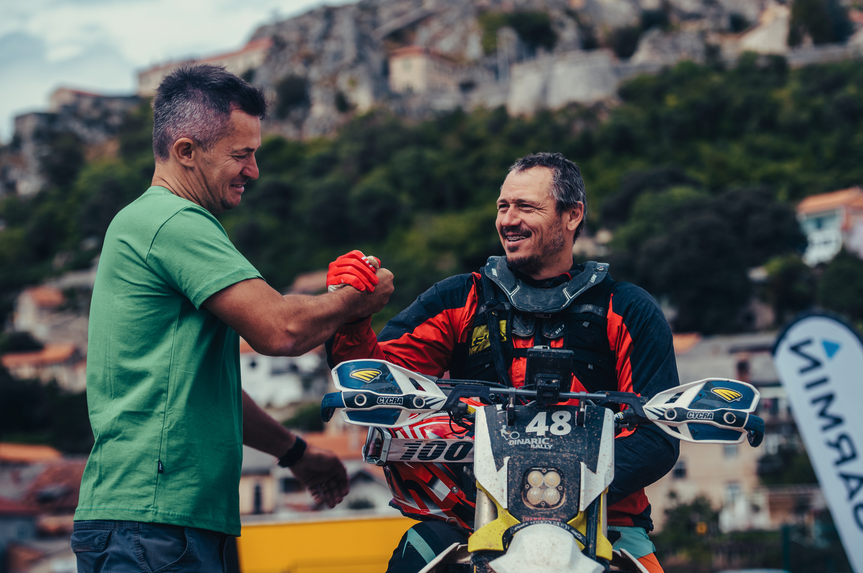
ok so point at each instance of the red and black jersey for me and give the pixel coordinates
(436, 333)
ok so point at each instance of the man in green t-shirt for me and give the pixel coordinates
(172, 296)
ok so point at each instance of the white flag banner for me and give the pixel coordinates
(819, 358)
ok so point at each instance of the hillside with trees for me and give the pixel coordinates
(695, 171)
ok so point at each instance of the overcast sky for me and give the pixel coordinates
(100, 45)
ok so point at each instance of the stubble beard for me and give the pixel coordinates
(533, 264)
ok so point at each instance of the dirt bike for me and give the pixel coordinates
(542, 468)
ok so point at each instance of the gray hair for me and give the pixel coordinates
(567, 186)
(196, 102)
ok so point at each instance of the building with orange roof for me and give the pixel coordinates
(27, 454)
(70, 98)
(34, 306)
(62, 362)
(21, 464)
(279, 381)
(55, 493)
(50, 316)
(683, 341)
(267, 489)
(831, 221)
(238, 62)
(17, 524)
(416, 69)
(35, 527)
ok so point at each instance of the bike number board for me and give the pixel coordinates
(546, 441)
(551, 429)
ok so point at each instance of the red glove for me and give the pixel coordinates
(354, 269)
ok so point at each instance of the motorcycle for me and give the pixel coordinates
(542, 461)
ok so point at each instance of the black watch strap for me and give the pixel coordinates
(294, 454)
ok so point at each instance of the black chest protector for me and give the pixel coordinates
(575, 311)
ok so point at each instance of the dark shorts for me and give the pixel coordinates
(131, 546)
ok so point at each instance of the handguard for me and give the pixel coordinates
(713, 411)
(380, 394)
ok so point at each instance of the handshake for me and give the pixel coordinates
(375, 285)
(353, 269)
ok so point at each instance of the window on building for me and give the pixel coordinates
(23, 531)
(679, 471)
(821, 222)
(730, 451)
(732, 492)
(291, 485)
(281, 365)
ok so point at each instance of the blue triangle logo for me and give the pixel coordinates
(831, 348)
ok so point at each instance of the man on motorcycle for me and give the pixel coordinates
(470, 326)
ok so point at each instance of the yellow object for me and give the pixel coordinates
(489, 537)
(362, 545)
(603, 545)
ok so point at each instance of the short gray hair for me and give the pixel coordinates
(196, 102)
(567, 186)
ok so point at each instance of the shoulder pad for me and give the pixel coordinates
(526, 298)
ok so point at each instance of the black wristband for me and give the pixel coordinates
(293, 455)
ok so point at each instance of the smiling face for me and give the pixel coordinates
(537, 239)
(225, 168)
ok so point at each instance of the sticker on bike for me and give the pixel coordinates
(559, 425)
(450, 451)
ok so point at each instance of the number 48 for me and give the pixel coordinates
(559, 426)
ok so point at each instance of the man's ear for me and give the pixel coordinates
(184, 150)
(576, 214)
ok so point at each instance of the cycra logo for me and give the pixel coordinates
(727, 394)
(366, 375)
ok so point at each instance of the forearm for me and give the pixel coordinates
(262, 432)
(307, 322)
(291, 325)
(640, 460)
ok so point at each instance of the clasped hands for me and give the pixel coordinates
(353, 269)
(375, 284)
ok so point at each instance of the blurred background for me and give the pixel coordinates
(722, 151)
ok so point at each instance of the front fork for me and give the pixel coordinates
(486, 512)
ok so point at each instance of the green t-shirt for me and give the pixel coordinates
(163, 374)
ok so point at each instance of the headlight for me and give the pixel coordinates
(543, 488)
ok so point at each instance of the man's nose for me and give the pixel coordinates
(508, 218)
(251, 169)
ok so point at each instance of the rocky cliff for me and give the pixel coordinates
(74, 121)
(338, 58)
(417, 57)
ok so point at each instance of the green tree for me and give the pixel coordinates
(788, 466)
(306, 418)
(696, 249)
(791, 286)
(292, 92)
(19, 342)
(408, 190)
(841, 284)
(617, 208)
(688, 530)
(33, 412)
(825, 21)
(64, 159)
(103, 188)
(533, 28)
